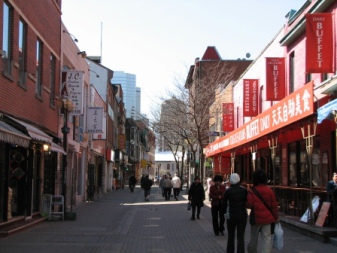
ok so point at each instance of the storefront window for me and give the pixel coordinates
(292, 165)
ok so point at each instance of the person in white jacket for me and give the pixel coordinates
(176, 184)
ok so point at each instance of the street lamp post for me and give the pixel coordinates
(66, 107)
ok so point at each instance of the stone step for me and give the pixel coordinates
(9, 228)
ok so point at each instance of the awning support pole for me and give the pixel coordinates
(272, 141)
(309, 141)
(253, 150)
(232, 161)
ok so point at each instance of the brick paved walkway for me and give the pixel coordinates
(121, 221)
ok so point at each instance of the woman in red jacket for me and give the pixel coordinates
(263, 216)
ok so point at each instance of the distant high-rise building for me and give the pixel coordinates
(131, 93)
(138, 99)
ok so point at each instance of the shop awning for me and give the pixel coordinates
(294, 107)
(34, 132)
(327, 111)
(57, 148)
(11, 135)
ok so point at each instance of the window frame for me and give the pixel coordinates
(22, 44)
(7, 51)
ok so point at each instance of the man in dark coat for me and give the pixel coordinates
(234, 200)
(146, 185)
(216, 192)
(196, 195)
(132, 182)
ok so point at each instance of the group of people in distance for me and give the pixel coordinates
(230, 203)
(167, 183)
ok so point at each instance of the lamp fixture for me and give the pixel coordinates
(74, 38)
(97, 75)
(82, 53)
(46, 147)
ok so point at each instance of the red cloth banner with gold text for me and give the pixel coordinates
(227, 117)
(275, 78)
(250, 97)
(319, 44)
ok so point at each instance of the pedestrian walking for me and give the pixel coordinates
(196, 195)
(216, 193)
(176, 184)
(167, 184)
(161, 184)
(132, 182)
(234, 200)
(146, 185)
(209, 183)
(262, 202)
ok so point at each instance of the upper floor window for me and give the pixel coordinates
(39, 67)
(292, 73)
(6, 38)
(52, 78)
(22, 52)
(325, 76)
(308, 78)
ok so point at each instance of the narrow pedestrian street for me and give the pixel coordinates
(121, 221)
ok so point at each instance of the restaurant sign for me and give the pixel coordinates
(292, 108)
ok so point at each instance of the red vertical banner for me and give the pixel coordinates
(275, 78)
(250, 97)
(227, 117)
(319, 44)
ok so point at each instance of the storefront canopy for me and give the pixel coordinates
(327, 111)
(10, 135)
(34, 132)
(294, 107)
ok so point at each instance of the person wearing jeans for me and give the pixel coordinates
(263, 217)
(234, 199)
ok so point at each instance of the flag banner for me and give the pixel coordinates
(227, 117)
(250, 97)
(275, 78)
(319, 43)
(72, 88)
(294, 107)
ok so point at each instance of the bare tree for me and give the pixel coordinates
(186, 117)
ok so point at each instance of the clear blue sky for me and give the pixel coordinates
(157, 40)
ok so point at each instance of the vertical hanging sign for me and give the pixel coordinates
(94, 120)
(250, 97)
(275, 78)
(72, 87)
(319, 43)
(227, 117)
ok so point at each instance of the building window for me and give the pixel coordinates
(52, 79)
(308, 78)
(7, 38)
(237, 116)
(325, 76)
(292, 73)
(261, 100)
(39, 67)
(22, 52)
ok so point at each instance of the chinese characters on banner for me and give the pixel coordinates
(294, 107)
(227, 117)
(72, 87)
(275, 78)
(95, 118)
(250, 97)
(319, 43)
